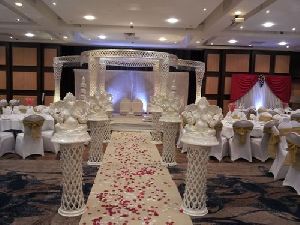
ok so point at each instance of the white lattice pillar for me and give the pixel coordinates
(164, 73)
(72, 200)
(107, 131)
(57, 68)
(199, 78)
(156, 133)
(101, 72)
(97, 129)
(170, 131)
(93, 72)
(156, 78)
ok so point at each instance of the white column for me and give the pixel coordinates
(57, 67)
(199, 78)
(156, 133)
(93, 72)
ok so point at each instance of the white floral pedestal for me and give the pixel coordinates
(194, 197)
(156, 133)
(71, 148)
(170, 127)
(107, 128)
(97, 130)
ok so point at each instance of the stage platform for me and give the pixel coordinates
(130, 123)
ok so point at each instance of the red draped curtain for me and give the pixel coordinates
(242, 83)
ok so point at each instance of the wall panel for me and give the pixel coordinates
(24, 81)
(2, 55)
(48, 81)
(211, 86)
(237, 62)
(213, 62)
(23, 97)
(2, 97)
(225, 106)
(24, 56)
(2, 79)
(262, 63)
(213, 102)
(48, 100)
(49, 54)
(227, 85)
(282, 64)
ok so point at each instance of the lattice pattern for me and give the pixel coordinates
(156, 134)
(93, 70)
(194, 197)
(170, 131)
(199, 77)
(72, 201)
(97, 129)
(107, 131)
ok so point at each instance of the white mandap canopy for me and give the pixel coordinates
(97, 61)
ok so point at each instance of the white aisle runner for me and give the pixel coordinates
(131, 186)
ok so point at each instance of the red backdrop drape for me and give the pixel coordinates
(242, 83)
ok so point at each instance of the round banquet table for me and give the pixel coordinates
(227, 130)
(14, 122)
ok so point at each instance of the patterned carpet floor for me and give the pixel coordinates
(238, 193)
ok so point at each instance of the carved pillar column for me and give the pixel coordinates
(156, 78)
(199, 77)
(101, 72)
(93, 72)
(164, 74)
(57, 67)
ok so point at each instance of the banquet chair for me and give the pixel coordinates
(125, 106)
(7, 110)
(7, 143)
(260, 146)
(137, 107)
(278, 168)
(239, 144)
(221, 150)
(292, 177)
(295, 117)
(31, 141)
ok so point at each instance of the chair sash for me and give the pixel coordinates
(292, 158)
(273, 141)
(34, 127)
(242, 133)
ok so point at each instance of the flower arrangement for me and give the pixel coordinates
(29, 101)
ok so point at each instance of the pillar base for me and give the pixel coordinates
(71, 213)
(169, 164)
(90, 163)
(193, 212)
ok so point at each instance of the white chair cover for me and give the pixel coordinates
(220, 150)
(7, 110)
(125, 106)
(137, 107)
(49, 146)
(237, 148)
(7, 143)
(292, 177)
(27, 143)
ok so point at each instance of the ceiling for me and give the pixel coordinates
(202, 23)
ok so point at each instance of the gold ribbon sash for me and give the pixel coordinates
(35, 127)
(242, 133)
(293, 155)
(273, 145)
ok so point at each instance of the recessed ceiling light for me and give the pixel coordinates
(89, 39)
(204, 9)
(287, 46)
(282, 43)
(89, 17)
(54, 3)
(268, 24)
(162, 39)
(197, 42)
(29, 34)
(20, 4)
(172, 20)
(232, 41)
(237, 13)
(250, 45)
(268, 11)
(175, 42)
(211, 43)
(241, 27)
(11, 37)
(294, 28)
(131, 23)
(65, 37)
(18, 20)
(51, 38)
(102, 37)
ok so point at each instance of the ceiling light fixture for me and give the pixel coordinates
(268, 24)
(18, 20)
(250, 45)
(162, 39)
(237, 13)
(89, 17)
(204, 9)
(282, 43)
(11, 37)
(172, 20)
(102, 37)
(211, 43)
(232, 41)
(54, 3)
(65, 37)
(294, 28)
(287, 46)
(20, 4)
(197, 42)
(131, 23)
(29, 34)
(268, 11)
(241, 27)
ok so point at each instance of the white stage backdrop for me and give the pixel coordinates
(136, 85)
(260, 96)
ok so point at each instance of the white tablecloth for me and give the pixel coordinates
(14, 122)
